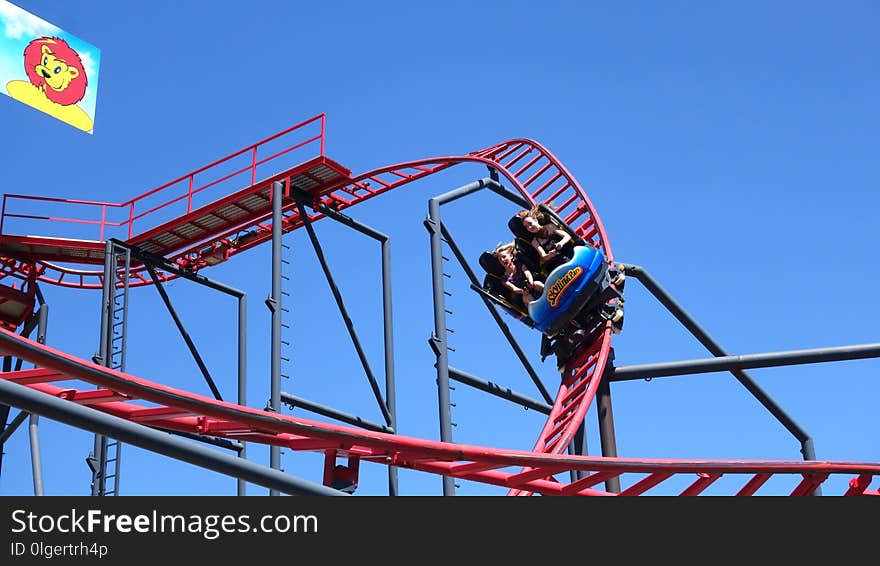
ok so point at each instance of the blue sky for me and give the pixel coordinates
(729, 148)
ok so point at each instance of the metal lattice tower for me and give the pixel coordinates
(106, 458)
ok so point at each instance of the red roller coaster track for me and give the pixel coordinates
(199, 236)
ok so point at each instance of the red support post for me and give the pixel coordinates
(254, 167)
(103, 220)
(189, 195)
(323, 125)
(130, 219)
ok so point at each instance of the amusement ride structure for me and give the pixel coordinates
(178, 231)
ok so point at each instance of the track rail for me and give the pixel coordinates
(532, 170)
(536, 174)
(124, 395)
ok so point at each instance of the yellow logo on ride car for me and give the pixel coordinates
(560, 285)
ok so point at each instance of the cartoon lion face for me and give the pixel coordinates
(49, 62)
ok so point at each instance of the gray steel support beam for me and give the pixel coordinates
(388, 344)
(36, 463)
(496, 187)
(748, 361)
(157, 283)
(34, 421)
(241, 485)
(640, 273)
(438, 339)
(275, 306)
(607, 438)
(98, 457)
(232, 445)
(12, 427)
(505, 330)
(578, 447)
(164, 264)
(42, 322)
(319, 409)
(387, 322)
(340, 304)
(104, 424)
(6, 429)
(498, 391)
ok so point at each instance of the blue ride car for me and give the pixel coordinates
(575, 289)
(567, 289)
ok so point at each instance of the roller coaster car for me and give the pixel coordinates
(576, 287)
(568, 289)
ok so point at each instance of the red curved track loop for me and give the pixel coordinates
(142, 401)
(529, 167)
(539, 177)
(215, 232)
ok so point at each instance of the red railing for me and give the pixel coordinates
(98, 211)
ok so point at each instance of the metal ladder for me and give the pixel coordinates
(447, 312)
(114, 325)
(285, 295)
